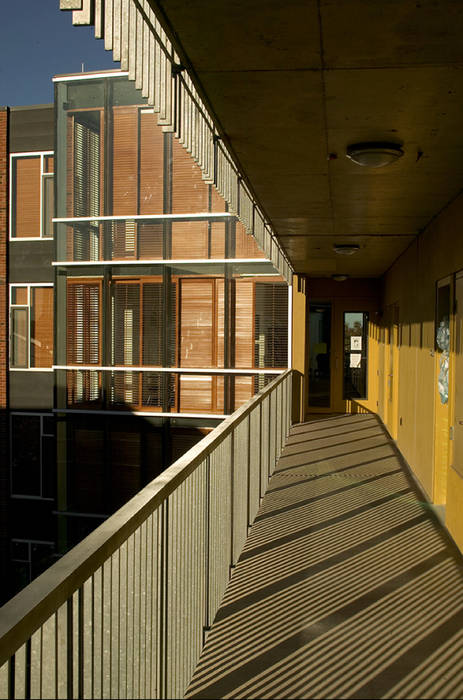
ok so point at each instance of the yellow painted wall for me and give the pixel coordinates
(411, 284)
(298, 346)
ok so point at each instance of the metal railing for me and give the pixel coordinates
(125, 613)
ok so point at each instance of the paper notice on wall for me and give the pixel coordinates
(356, 342)
(355, 359)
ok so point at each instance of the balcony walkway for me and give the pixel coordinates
(348, 587)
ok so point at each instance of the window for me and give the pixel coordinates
(32, 195)
(32, 455)
(31, 326)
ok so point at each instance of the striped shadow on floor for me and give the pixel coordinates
(348, 587)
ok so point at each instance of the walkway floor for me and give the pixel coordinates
(348, 587)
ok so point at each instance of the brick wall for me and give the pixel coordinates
(4, 488)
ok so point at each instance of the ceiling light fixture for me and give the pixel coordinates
(339, 278)
(374, 154)
(346, 248)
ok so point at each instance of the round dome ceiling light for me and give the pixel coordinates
(374, 154)
(339, 278)
(346, 248)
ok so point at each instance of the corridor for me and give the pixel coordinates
(348, 587)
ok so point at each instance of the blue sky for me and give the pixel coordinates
(38, 41)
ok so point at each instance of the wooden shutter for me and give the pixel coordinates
(126, 331)
(26, 197)
(190, 194)
(83, 333)
(126, 342)
(151, 195)
(189, 191)
(271, 325)
(86, 164)
(244, 325)
(42, 327)
(153, 309)
(125, 160)
(196, 323)
(196, 343)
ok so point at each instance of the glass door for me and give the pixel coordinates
(320, 355)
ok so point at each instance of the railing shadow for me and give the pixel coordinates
(347, 587)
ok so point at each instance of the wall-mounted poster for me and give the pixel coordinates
(355, 359)
(356, 342)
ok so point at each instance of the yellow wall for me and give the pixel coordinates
(422, 422)
(298, 346)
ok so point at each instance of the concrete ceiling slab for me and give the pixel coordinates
(293, 83)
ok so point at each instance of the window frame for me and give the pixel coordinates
(27, 286)
(43, 175)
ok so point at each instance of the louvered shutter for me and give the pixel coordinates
(271, 325)
(190, 194)
(151, 194)
(83, 323)
(83, 340)
(244, 332)
(126, 342)
(196, 343)
(86, 185)
(86, 168)
(153, 309)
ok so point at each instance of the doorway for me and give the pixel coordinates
(320, 355)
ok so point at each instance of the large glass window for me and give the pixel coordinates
(31, 326)
(32, 195)
(32, 454)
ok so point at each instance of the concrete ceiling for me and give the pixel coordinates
(294, 82)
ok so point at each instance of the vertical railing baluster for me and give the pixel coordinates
(207, 546)
(69, 649)
(80, 643)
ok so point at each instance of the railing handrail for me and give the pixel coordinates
(31, 607)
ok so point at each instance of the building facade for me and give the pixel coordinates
(138, 320)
